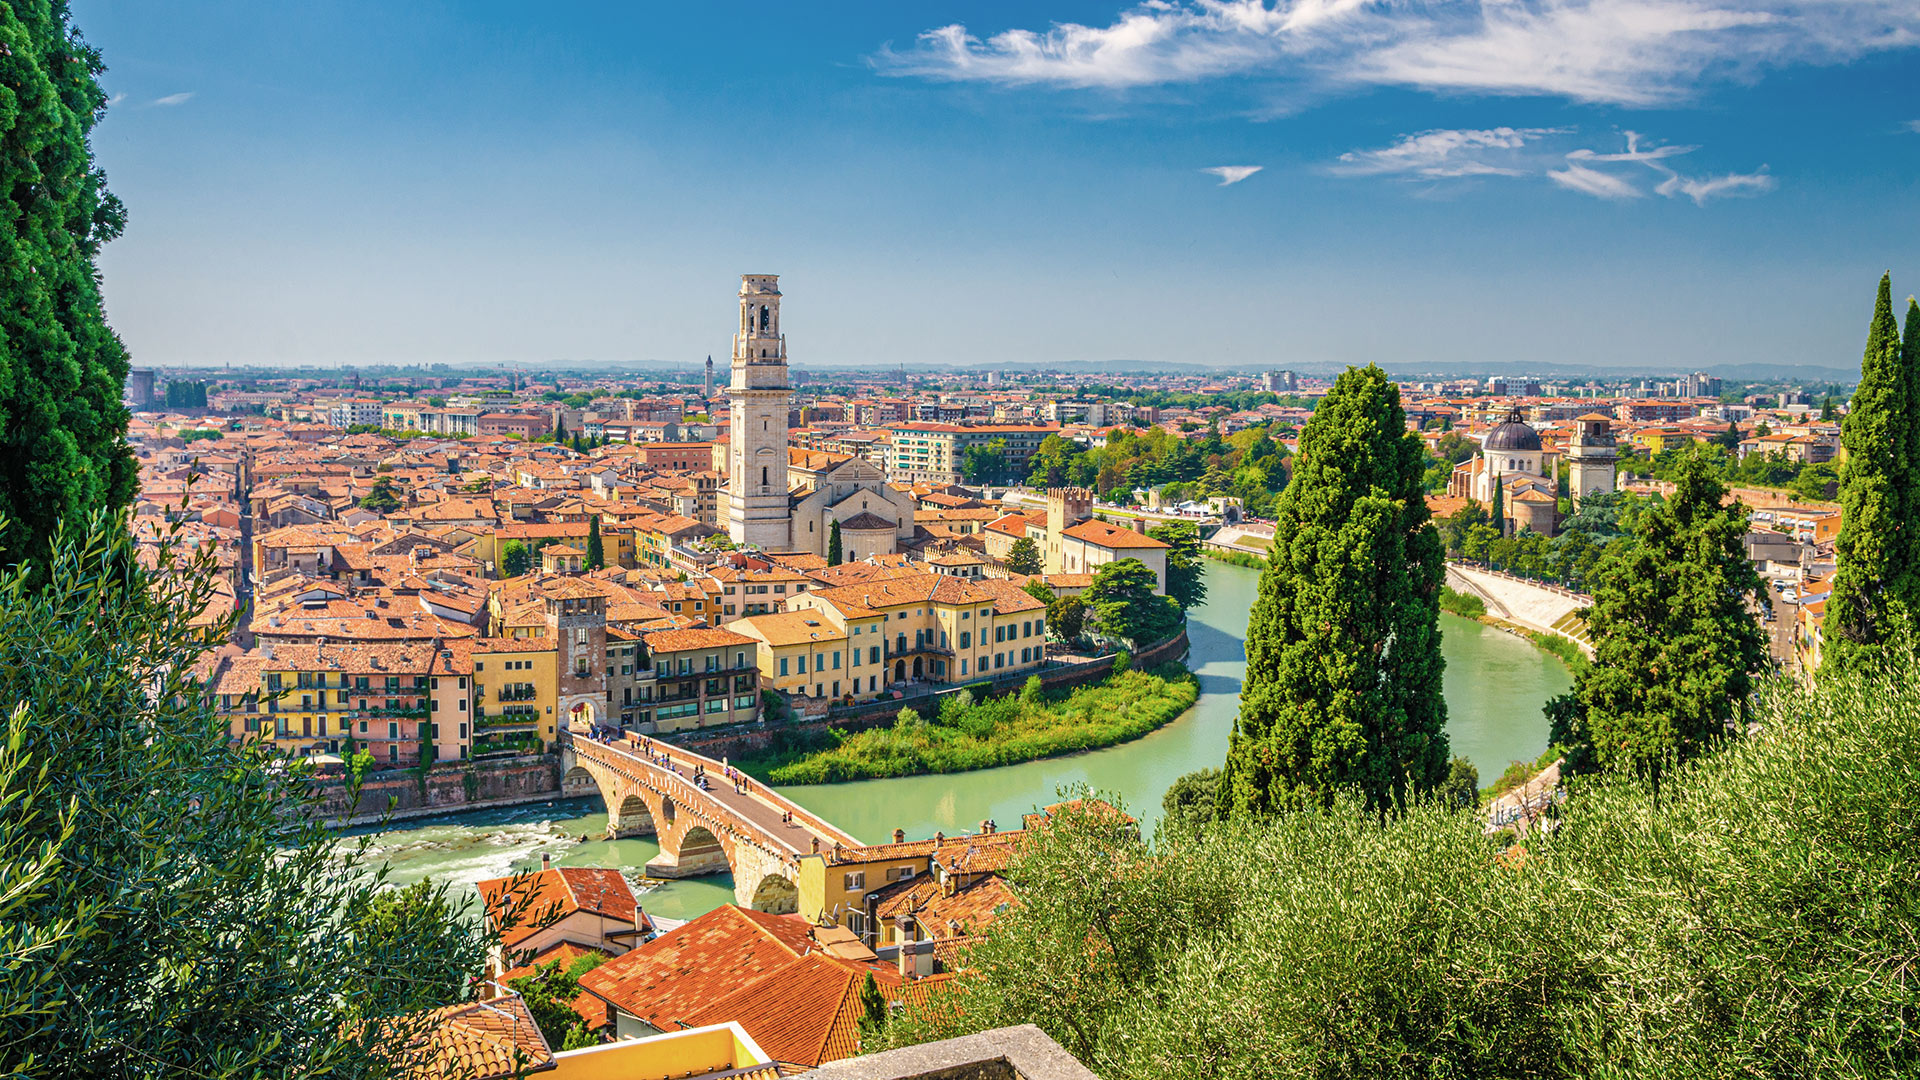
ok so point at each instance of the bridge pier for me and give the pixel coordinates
(699, 854)
(632, 818)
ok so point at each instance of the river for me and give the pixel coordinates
(1495, 685)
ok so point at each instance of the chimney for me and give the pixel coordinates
(985, 826)
(546, 861)
(939, 838)
(899, 836)
(903, 930)
(816, 845)
(1140, 525)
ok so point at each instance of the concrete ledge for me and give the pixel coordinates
(1010, 1053)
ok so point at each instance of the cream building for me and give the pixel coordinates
(756, 495)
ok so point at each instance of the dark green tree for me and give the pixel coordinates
(835, 553)
(1039, 591)
(1067, 617)
(1676, 644)
(515, 559)
(550, 993)
(1910, 482)
(1024, 556)
(559, 426)
(1343, 645)
(1192, 801)
(1124, 605)
(1461, 788)
(1826, 408)
(1498, 515)
(873, 1013)
(596, 551)
(381, 498)
(986, 464)
(172, 841)
(1874, 578)
(63, 448)
(1186, 580)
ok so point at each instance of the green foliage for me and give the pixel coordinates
(515, 559)
(63, 449)
(1032, 690)
(1039, 591)
(1024, 557)
(987, 464)
(1191, 802)
(381, 498)
(1123, 604)
(1876, 583)
(186, 395)
(873, 1013)
(1067, 618)
(1186, 580)
(835, 555)
(1752, 920)
(987, 732)
(1676, 646)
(1459, 603)
(596, 550)
(1343, 645)
(1249, 465)
(550, 992)
(202, 922)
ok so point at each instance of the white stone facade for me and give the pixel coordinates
(757, 506)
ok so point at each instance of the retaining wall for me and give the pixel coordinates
(521, 779)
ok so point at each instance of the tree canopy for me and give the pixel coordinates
(1343, 645)
(63, 448)
(1676, 647)
(1876, 580)
(1124, 605)
(1186, 581)
(1024, 556)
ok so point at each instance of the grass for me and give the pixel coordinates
(1462, 603)
(1236, 558)
(966, 734)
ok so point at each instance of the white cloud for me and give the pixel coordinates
(1446, 153)
(116, 99)
(1631, 52)
(1914, 126)
(174, 99)
(1601, 185)
(1717, 187)
(1233, 174)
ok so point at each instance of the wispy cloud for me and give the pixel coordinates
(1630, 52)
(1914, 126)
(174, 99)
(1446, 153)
(1439, 156)
(116, 99)
(1600, 185)
(1233, 174)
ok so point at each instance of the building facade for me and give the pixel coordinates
(758, 396)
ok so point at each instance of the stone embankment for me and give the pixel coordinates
(1530, 605)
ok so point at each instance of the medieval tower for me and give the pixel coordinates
(757, 503)
(1591, 457)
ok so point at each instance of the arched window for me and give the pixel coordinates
(763, 474)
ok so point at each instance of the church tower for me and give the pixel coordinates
(757, 504)
(1591, 456)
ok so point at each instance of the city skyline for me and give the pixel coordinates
(1673, 188)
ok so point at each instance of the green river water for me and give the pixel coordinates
(1495, 685)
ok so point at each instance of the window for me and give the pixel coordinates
(836, 659)
(873, 654)
(966, 638)
(463, 731)
(463, 704)
(434, 705)
(393, 731)
(783, 665)
(803, 663)
(857, 880)
(363, 727)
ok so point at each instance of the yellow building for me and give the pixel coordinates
(515, 694)
(813, 654)
(337, 698)
(935, 628)
(701, 677)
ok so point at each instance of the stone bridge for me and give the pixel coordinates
(1544, 609)
(648, 789)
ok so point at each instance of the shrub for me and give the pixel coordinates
(1462, 603)
(1755, 919)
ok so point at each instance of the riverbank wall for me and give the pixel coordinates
(454, 786)
(746, 740)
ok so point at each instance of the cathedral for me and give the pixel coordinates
(777, 497)
(1512, 458)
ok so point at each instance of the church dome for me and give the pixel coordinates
(1512, 435)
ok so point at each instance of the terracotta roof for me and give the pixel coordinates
(711, 637)
(479, 1039)
(866, 521)
(1110, 536)
(790, 627)
(539, 899)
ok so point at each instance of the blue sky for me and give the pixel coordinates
(1654, 185)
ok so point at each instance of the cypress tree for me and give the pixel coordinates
(1500, 504)
(1675, 643)
(834, 551)
(596, 554)
(1873, 578)
(1909, 561)
(1343, 645)
(63, 449)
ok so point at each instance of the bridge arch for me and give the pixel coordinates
(632, 817)
(578, 783)
(776, 894)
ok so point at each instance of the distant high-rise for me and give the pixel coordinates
(1279, 382)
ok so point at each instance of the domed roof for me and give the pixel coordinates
(1512, 435)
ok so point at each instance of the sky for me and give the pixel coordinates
(1657, 185)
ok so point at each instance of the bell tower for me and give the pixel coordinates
(758, 510)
